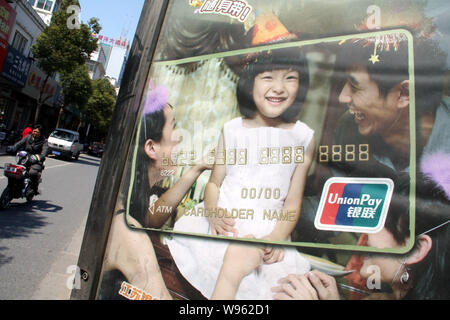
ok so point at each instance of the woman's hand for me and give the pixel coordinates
(272, 254)
(314, 285)
(325, 285)
(223, 225)
(203, 164)
(295, 287)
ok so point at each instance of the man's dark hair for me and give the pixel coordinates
(290, 58)
(40, 128)
(393, 68)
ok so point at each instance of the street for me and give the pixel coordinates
(39, 242)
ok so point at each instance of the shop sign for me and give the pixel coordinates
(16, 67)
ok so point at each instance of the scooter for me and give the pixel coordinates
(19, 182)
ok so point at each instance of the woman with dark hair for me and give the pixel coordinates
(131, 251)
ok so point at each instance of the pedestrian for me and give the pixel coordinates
(27, 130)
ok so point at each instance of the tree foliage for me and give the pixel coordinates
(77, 87)
(62, 49)
(100, 106)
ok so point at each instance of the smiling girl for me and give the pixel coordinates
(266, 152)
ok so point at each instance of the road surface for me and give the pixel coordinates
(40, 242)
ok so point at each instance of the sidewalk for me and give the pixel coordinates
(57, 284)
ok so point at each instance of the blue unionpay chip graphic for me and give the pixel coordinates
(354, 204)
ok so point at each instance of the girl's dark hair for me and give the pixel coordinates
(430, 276)
(290, 58)
(152, 125)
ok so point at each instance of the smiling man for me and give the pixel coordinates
(373, 112)
(376, 93)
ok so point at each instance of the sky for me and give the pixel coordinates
(117, 17)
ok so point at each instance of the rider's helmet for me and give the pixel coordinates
(22, 158)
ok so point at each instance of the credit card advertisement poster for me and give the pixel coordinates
(289, 142)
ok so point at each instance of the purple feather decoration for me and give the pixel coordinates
(155, 100)
(436, 167)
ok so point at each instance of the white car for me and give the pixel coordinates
(65, 143)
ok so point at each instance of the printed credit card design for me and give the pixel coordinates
(354, 204)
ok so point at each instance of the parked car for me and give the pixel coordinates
(65, 143)
(96, 149)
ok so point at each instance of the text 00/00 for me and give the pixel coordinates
(260, 193)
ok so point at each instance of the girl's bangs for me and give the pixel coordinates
(278, 60)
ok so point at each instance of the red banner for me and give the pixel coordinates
(7, 18)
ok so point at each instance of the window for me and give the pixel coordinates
(32, 2)
(64, 135)
(48, 5)
(40, 4)
(44, 4)
(56, 6)
(19, 42)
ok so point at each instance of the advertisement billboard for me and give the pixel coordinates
(276, 142)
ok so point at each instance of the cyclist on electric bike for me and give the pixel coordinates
(36, 145)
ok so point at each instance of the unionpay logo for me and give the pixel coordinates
(354, 204)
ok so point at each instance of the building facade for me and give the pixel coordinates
(116, 51)
(20, 77)
(45, 8)
(97, 63)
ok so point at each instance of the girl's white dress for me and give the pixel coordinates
(257, 180)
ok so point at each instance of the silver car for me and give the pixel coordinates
(65, 143)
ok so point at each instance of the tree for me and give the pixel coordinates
(100, 106)
(60, 49)
(77, 87)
